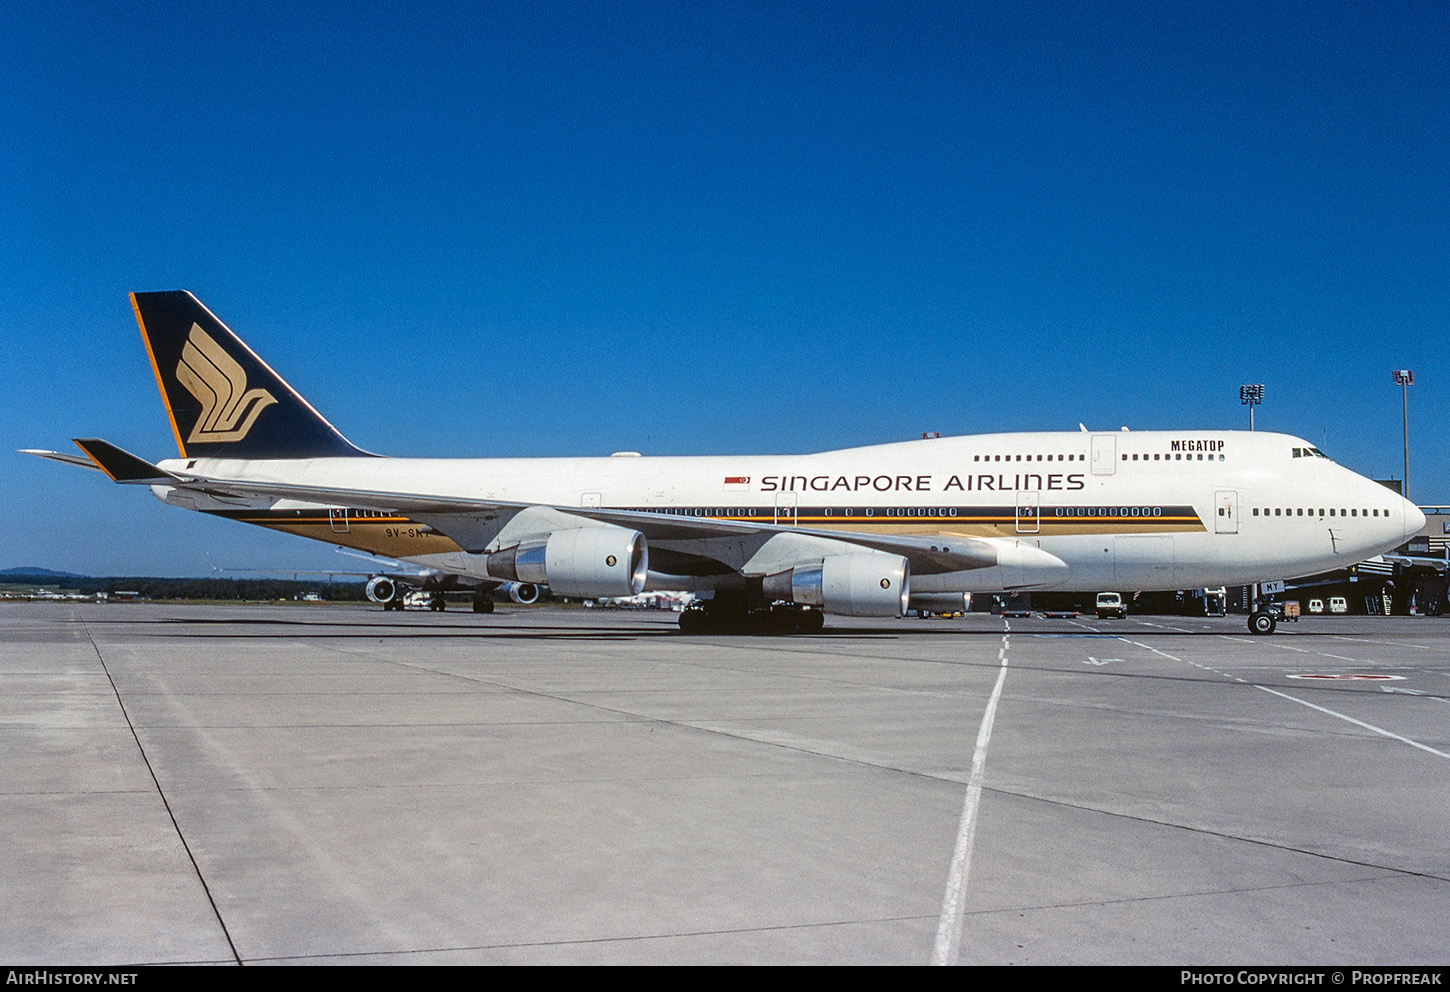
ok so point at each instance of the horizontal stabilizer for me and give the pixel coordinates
(80, 461)
(120, 465)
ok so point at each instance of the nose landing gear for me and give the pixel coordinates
(1262, 622)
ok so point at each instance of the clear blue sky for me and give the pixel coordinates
(574, 228)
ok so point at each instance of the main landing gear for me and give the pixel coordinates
(733, 616)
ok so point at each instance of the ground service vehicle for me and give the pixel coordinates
(1110, 604)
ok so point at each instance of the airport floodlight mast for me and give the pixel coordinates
(1405, 378)
(1251, 396)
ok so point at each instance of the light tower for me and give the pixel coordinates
(1404, 378)
(1251, 396)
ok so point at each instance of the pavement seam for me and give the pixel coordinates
(146, 760)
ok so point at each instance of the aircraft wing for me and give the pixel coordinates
(479, 525)
(1413, 561)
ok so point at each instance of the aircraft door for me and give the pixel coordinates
(1105, 454)
(1029, 517)
(785, 509)
(1226, 512)
(337, 516)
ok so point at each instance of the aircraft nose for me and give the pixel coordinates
(1414, 519)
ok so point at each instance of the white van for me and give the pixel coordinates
(1338, 605)
(1110, 604)
(1316, 606)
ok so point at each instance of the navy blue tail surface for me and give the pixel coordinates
(224, 401)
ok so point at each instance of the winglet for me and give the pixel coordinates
(120, 465)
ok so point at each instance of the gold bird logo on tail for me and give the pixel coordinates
(228, 407)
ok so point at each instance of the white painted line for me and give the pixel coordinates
(949, 929)
(1163, 626)
(1357, 723)
(1398, 644)
(1312, 706)
(1348, 677)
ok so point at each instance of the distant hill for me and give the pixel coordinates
(33, 572)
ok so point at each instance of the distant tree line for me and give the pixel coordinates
(152, 587)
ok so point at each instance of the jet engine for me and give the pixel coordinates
(382, 590)
(523, 593)
(941, 602)
(599, 560)
(869, 584)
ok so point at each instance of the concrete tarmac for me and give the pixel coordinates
(332, 784)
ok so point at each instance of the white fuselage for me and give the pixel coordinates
(1125, 510)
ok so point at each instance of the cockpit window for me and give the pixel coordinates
(1309, 453)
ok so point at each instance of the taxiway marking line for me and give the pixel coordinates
(949, 929)
(1304, 702)
(1357, 723)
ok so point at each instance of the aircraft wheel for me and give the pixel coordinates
(692, 622)
(483, 605)
(1261, 623)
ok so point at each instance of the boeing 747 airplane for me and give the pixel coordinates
(768, 542)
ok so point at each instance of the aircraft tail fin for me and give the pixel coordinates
(224, 401)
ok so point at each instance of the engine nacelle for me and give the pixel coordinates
(382, 590)
(941, 602)
(869, 584)
(522, 593)
(602, 560)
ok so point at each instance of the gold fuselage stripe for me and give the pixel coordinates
(399, 536)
